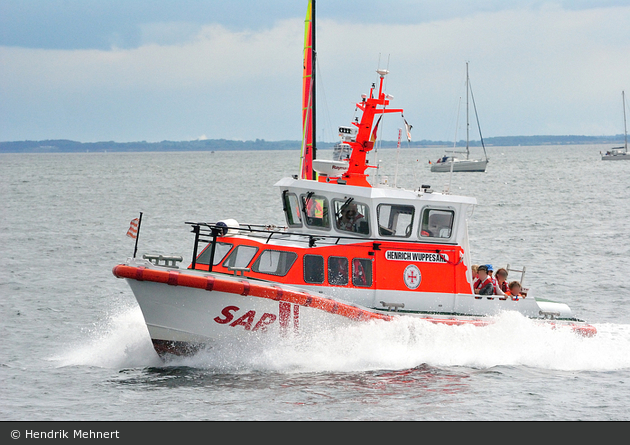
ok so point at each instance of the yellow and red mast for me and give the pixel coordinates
(308, 96)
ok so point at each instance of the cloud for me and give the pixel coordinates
(534, 71)
(98, 24)
(168, 33)
(543, 70)
(211, 84)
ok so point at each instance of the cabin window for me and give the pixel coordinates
(220, 251)
(274, 262)
(313, 269)
(395, 220)
(338, 270)
(351, 216)
(362, 272)
(315, 209)
(437, 223)
(291, 207)
(240, 256)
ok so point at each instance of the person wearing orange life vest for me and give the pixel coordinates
(483, 285)
(515, 291)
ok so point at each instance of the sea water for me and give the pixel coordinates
(75, 346)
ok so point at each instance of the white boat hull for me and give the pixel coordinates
(197, 317)
(461, 166)
(617, 157)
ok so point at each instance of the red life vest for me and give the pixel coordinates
(480, 285)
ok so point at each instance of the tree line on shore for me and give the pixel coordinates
(68, 146)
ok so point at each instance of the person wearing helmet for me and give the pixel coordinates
(496, 290)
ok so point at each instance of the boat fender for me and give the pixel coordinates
(228, 226)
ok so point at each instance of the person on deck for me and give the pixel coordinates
(514, 290)
(501, 282)
(350, 219)
(494, 280)
(473, 269)
(483, 285)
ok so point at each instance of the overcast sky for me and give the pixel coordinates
(133, 70)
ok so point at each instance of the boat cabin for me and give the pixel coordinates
(382, 213)
(363, 244)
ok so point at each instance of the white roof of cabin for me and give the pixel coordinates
(373, 193)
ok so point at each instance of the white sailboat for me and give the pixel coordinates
(448, 163)
(619, 153)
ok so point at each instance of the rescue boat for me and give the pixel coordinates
(352, 251)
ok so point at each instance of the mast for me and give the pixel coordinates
(467, 120)
(625, 129)
(308, 96)
(364, 142)
(313, 71)
(472, 96)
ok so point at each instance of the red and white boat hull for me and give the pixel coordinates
(186, 310)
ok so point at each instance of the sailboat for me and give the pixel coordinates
(352, 253)
(619, 153)
(448, 163)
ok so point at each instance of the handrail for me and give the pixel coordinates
(271, 231)
(213, 231)
(522, 271)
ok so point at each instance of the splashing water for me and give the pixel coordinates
(122, 341)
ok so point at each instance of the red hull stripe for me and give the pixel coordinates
(172, 278)
(209, 283)
(246, 288)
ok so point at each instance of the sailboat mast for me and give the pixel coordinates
(314, 85)
(625, 128)
(467, 120)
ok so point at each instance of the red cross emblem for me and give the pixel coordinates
(412, 276)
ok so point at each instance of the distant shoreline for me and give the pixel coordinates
(67, 146)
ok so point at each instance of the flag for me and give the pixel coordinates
(408, 128)
(373, 137)
(133, 228)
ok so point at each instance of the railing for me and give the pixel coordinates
(169, 261)
(208, 233)
(522, 271)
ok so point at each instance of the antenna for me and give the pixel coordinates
(383, 86)
(397, 155)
